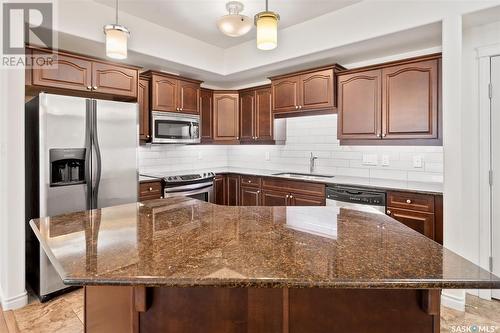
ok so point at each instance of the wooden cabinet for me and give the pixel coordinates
(226, 117)
(250, 196)
(149, 190)
(274, 198)
(311, 90)
(143, 101)
(394, 103)
(233, 190)
(306, 200)
(73, 73)
(256, 119)
(220, 190)
(360, 109)
(171, 93)
(421, 212)
(206, 115)
(279, 192)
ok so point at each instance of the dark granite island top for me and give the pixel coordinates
(185, 242)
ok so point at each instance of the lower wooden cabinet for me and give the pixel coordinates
(233, 190)
(421, 212)
(149, 190)
(306, 200)
(250, 196)
(274, 198)
(220, 190)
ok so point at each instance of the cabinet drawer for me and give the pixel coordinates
(294, 186)
(418, 221)
(413, 201)
(250, 181)
(150, 189)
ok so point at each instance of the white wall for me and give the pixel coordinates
(318, 134)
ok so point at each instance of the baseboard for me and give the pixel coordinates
(453, 301)
(15, 302)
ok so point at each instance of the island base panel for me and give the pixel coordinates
(207, 309)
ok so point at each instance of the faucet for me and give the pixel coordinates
(311, 162)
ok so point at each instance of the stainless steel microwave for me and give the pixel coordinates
(170, 127)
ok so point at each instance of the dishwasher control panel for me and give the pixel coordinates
(355, 195)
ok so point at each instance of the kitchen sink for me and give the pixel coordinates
(303, 175)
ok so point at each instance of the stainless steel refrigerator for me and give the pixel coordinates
(80, 154)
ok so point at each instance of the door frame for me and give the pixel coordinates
(484, 55)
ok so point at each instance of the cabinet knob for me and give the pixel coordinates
(89, 87)
(379, 135)
(181, 109)
(408, 201)
(150, 189)
(388, 212)
(258, 192)
(148, 136)
(383, 135)
(237, 138)
(287, 196)
(249, 181)
(291, 196)
(296, 107)
(300, 106)
(95, 87)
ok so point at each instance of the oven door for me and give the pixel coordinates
(175, 128)
(202, 191)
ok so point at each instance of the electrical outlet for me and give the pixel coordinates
(268, 157)
(418, 161)
(370, 159)
(385, 160)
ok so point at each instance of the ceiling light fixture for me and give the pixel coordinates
(116, 39)
(267, 29)
(234, 24)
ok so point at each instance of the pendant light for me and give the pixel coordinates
(234, 24)
(116, 39)
(267, 29)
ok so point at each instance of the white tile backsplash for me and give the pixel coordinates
(317, 134)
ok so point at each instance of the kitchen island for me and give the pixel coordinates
(183, 265)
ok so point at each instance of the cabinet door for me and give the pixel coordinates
(206, 115)
(264, 115)
(274, 198)
(285, 94)
(247, 116)
(359, 109)
(306, 200)
(316, 90)
(226, 124)
(68, 73)
(189, 97)
(410, 101)
(150, 190)
(164, 94)
(233, 190)
(250, 196)
(143, 101)
(113, 79)
(418, 221)
(220, 190)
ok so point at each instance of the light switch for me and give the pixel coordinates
(385, 160)
(370, 159)
(418, 161)
(268, 157)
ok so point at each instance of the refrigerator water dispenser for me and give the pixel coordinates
(67, 166)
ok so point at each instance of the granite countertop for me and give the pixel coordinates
(183, 242)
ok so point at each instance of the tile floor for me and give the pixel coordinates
(65, 315)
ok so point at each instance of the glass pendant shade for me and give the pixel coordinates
(234, 24)
(116, 41)
(267, 30)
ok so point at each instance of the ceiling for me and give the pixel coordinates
(197, 18)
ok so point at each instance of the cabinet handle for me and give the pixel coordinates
(89, 87)
(408, 201)
(388, 212)
(95, 87)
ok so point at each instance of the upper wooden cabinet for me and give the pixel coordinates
(206, 115)
(256, 119)
(226, 116)
(73, 73)
(171, 93)
(311, 90)
(143, 101)
(360, 117)
(394, 103)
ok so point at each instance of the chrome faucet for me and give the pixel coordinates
(311, 162)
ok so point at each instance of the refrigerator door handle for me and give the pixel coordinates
(95, 140)
(88, 152)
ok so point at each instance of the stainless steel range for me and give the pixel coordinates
(194, 185)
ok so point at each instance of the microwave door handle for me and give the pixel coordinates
(191, 130)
